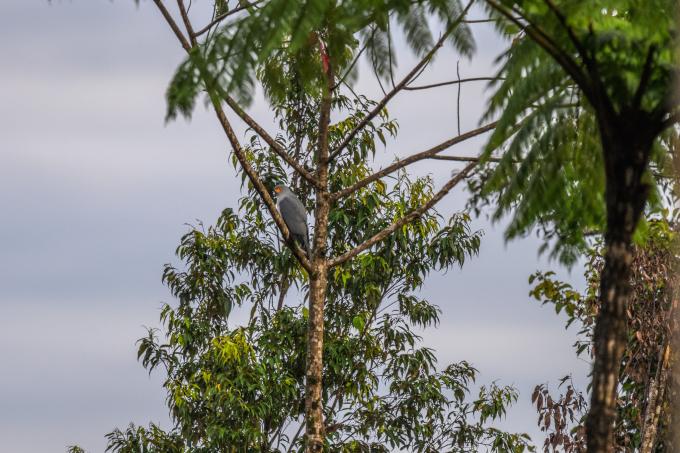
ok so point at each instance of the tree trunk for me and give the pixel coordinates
(626, 155)
(655, 401)
(609, 342)
(314, 421)
(314, 388)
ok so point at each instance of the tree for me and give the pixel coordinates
(586, 106)
(646, 390)
(312, 48)
(242, 387)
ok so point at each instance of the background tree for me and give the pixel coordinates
(312, 48)
(585, 106)
(646, 388)
(237, 387)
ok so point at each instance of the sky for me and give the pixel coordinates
(96, 190)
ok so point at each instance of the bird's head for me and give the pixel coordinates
(280, 189)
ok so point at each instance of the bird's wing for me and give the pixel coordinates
(294, 214)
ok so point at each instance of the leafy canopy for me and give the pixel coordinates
(551, 172)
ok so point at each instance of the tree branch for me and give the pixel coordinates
(644, 77)
(187, 23)
(238, 151)
(350, 67)
(221, 17)
(570, 32)
(480, 21)
(404, 220)
(427, 154)
(173, 25)
(276, 146)
(451, 82)
(544, 41)
(259, 186)
(378, 108)
(278, 149)
(465, 158)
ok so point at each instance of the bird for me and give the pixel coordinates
(294, 215)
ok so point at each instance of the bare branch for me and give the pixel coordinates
(221, 17)
(406, 219)
(378, 108)
(278, 149)
(427, 154)
(259, 186)
(479, 21)
(465, 158)
(458, 96)
(173, 25)
(350, 67)
(451, 82)
(296, 436)
(276, 146)
(238, 151)
(187, 23)
(482, 21)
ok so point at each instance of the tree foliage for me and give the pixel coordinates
(552, 172)
(256, 48)
(240, 386)
(647, 390)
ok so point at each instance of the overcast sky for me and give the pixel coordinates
(95, 191)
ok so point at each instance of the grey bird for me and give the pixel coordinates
(294, 215)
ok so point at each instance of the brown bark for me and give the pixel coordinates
(626, 151)
(276, 146)
(655, 402)
(314, 421)
(609, 341)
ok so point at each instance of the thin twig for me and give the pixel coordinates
(411, 159)
(257, 183)
(465, 158)
(406, 219)
(173, 25)
(383, 102)
(276, 146)
(451, 82)
(351, 66)
(221, 17)
(295, 437)
(458, 97)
